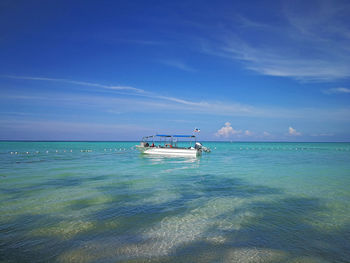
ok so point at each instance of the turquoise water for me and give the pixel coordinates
(243, 202)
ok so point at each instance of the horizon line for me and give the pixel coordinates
(230, 141)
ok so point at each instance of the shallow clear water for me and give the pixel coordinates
(243, 202)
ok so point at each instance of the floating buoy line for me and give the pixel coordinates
(119, 150)
(290, 149)
(71, 151)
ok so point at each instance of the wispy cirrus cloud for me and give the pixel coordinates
(63, 130)
(339, 90)
(322, 134)
(143, 100)
(142, 42)
(201, 106)
(311, 44)
(177, 64)
(80, 83)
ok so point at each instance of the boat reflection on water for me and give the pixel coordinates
(157, 158)
(168, 164)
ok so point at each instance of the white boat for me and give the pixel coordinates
(163, 144)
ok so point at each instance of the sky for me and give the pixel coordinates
(120, 70)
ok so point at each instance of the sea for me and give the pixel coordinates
(242, 202)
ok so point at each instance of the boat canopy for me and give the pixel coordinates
(182, 136)
(169, 136)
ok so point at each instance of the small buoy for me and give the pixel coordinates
(11, 152)
(56, 151)
(27, 152)
(71, 151)
(47, 151)
(15, 152)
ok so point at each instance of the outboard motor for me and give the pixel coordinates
(198, 146)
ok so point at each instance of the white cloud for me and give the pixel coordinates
(266, 134)
(248, 133)
(293, 132)
(339, 90)
(227, 131)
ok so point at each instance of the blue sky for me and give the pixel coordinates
(118, 70)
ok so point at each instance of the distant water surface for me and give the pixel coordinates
(243, 202)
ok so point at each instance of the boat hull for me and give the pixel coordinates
(170, 151)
